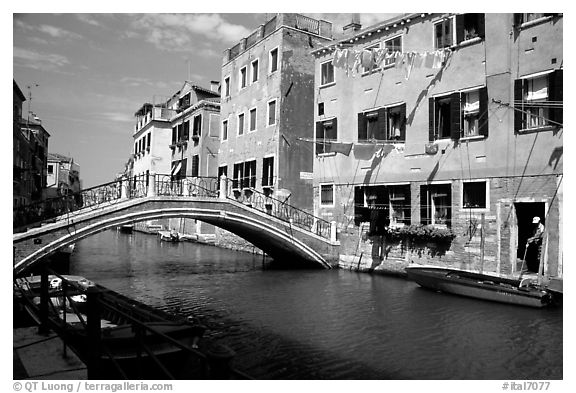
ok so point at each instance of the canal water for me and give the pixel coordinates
(318, 324)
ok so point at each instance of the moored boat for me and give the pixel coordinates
(133, 334)
(480, 286)
(169, 236)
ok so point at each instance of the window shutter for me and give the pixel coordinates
(362, 129)
(431, 119)
(518, 116)
(448, 33)
(459, 28)
(382, 124)
(556, 95)
(319, 130)
(483, 118)
(481, 25)
(424, 217)
(455, 116)
(518, 19)
(403, 122)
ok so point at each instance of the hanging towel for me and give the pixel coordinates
(339, 58)
(429, 60)
(418, 60)
(364, 151)
(438, 58)
(408, 63)
(342, 148)
(367, 59)
(379, 57)
(399, 60)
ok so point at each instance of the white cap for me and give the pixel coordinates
(535, 220)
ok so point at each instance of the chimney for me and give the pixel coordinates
(215, 86)
(353, 26)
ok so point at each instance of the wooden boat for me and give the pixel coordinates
(169, 236)
(480, 286)
(127, 228)
(123, 348)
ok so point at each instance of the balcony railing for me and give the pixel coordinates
(307, 24)
(269, 27)
(252, 38)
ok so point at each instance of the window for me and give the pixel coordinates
(185, 131)
(383, 124)
(268, 172)
(225, 130)
(326, 131)
(273, 60)
(222, 171)
(436, 204)
(471, 113)
(243, 77)
(272, 112)
(444, 117)
(474, 195)
(197, 125)
(254, 69)
(50, 169)
(392, 45)
(227, 86)
(528, 17)
(326, 73)
(327, 195)
(382, 206)
(252, 119)
(539, 100)
(238, 175)
(321, 109)
(469, 26)
(136, 145)
(443, 33)
(195, 165)
(373, 65)
(249, 180)
(241, 124)
(148, 141)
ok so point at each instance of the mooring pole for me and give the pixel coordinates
(44, 299)
(93, 312)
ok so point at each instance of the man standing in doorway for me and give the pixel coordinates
(534, 245)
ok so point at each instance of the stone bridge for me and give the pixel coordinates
(269, 227)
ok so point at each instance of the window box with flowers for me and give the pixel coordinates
(419, 233)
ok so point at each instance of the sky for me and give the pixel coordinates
(88, 74)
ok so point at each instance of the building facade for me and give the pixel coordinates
(63, 176)
(267, 109)
(446, 128)
(20, 157)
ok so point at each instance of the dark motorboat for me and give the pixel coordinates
(481, 286)
(127, 228)
(133, 334)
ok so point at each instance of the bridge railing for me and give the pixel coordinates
(264, 202)
(167, 185)
(48, 209)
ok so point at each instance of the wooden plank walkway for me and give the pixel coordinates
(39, 356)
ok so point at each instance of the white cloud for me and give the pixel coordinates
(180, 31)
(40, 61)
(57, 32)
(89, 19)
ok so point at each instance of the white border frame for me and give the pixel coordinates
(243, 114)
(275, 112)
(477, 209)
(277, 48)
(252, 81)
(222, 139)
(240, 87)
(255, 119)
(320, 195)
(333, 73)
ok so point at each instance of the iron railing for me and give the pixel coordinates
(307, 24)
(168, 185)
(49, 209)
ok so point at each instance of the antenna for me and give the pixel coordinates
(29, 87)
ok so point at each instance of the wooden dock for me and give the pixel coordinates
(38, 356)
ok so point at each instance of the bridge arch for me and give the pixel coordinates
(278, 239)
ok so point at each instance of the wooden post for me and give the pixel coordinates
(482, 238)
(44, 299)
(93, 312)
(219, 359)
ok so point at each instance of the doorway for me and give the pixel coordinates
(525, 212)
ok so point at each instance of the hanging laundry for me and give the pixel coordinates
(379, 57)
(429, 60)
(408, 63)
(438, 59)
(338, 147)
(340, 58)
(364, 151)
(399, 59)
(418, 60)
(367, 59)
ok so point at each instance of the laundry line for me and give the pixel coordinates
(364, 60)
